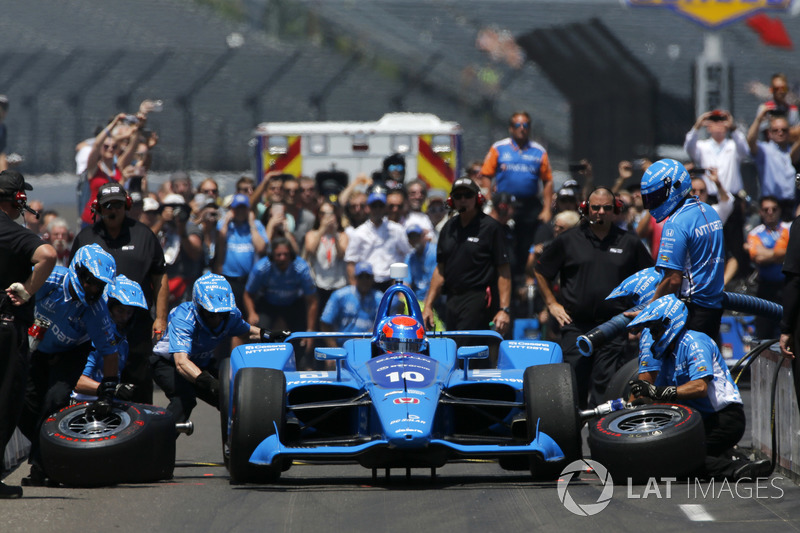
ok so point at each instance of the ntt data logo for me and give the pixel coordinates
(578, 467)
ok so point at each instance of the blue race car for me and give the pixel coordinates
(399, 399)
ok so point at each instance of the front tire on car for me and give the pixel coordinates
(551, 399)
(650, 441)
(224, 404)
(259, 404)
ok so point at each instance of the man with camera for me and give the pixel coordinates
(182, 242)
(775, 160)
(724, 150)
(139, 256)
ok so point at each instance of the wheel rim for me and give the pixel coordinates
(646, 421)
(79, 426)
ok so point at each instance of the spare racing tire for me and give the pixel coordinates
(259, 404)
(551, 400)
(135, 443)
(649, 441)
(618, 384)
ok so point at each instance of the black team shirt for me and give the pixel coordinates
(591, 268)
(468, 257)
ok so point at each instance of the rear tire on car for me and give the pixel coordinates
(551, 399)
(259, 404)
(649, 441)
(135, 443)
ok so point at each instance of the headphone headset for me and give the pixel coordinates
(20, 201)
(451, 204)
(96, 204)
(583, 209)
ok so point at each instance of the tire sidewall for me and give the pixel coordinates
(676, 449)
(259, 403)
(142, 449)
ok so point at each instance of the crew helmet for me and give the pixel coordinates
(666, 318)
(127, 292)
(213, 293)
(401, 333)
(664, 185)
(91, 264)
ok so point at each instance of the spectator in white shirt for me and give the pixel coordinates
(378, 241)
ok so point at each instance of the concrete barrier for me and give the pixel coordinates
(787, 415)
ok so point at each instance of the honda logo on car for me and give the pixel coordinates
(406, 400)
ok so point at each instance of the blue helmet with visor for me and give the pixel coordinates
(127, 292)
(401, 334)
(92, 269)
(213, 299)
(665, 319)
(664, 186)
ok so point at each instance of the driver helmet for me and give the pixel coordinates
(665, 318)
(212, 294)
(664, 186)
(91, 264)
(401, 333)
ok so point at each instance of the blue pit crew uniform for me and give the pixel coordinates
(61, 355)
(94, 366)
(188, 334)
(692, 242)
(696, 356)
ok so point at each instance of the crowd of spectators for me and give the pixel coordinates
(391, 216)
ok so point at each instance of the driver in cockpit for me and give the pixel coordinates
(402, 334)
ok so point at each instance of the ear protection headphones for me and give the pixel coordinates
(583, 209)
(480, 197)
(20, 201)
(95, 203)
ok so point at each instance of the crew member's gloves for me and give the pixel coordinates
(208, 383)
(274, 336)
(105, 397)
(124, 391)
(641, 388)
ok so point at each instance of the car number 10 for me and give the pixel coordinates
(407, 376)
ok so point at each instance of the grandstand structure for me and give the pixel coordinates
(600, 79)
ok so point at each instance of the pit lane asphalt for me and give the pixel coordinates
(469, 496)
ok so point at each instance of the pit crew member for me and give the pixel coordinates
(124, 297)
(71, 301)
(691, 254)
(681, 365)
(182, 360)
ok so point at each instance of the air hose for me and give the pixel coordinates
(732, 301)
